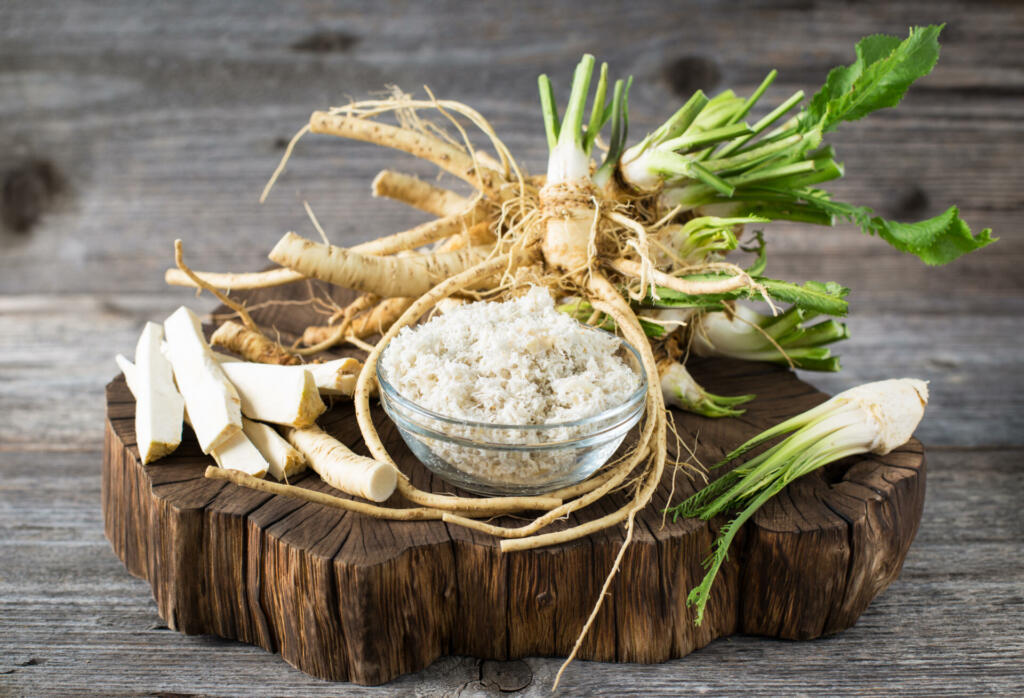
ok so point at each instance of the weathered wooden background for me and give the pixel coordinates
(125, 125)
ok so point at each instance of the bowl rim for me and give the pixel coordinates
(391, 393)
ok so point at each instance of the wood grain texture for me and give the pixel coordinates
(350, 598)
(164, 121)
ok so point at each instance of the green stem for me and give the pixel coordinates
(678, 122)
(699, 595)
(752, 100)
(777, 458)
(549, 110)
(770, 173)
(698, 139)
(620, 131)
(598, 113)
(752, 157)
(572, 123)
(825, 332)
(773, 116)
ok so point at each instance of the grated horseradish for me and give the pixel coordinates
(520, 362)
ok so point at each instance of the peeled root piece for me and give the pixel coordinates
(239, 453)
(236, 452)
(159, 407)
(283, 461)
(341, 468)
(211, 400)
(284, 395)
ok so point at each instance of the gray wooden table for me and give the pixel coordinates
(125, 125)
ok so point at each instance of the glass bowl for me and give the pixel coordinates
(507, 459)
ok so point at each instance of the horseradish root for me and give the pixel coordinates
(342, 469)
(159, 407)
(284, 395)
(212, 402)
(234, 452)
(250, 345)
(871, 418)
(383, 276)
(239, 453)
(640, 241)
(283, 461)
(419, 194)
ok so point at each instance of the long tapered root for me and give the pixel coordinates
(411, 275)
(367, 377)
(228, 281)
(375, 321)
(251, 346)
(444, 155)
(425, 233)
(419, 194)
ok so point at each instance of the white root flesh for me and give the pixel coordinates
(159, 407)
(283, 460)
(388, 277)
(211, 400)
(334, 377)
(239, 453)
(285, 395)
(342, 469)
(235, 453)
(893, 409)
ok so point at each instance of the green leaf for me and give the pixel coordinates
(884, 70)
(936, 241)
(825, 298)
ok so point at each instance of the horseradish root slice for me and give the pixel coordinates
(159, 406)
(284, 395)
(235, 453)
(239, 453)
(283, 461)
(211, 400)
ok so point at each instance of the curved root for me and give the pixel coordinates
(367, 376)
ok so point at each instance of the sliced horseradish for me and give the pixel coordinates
(212, 402)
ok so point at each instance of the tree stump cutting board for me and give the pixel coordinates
(349, 598)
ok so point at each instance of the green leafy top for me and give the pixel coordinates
(884, 69)
(776, 176)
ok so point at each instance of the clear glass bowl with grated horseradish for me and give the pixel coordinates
(510, 459)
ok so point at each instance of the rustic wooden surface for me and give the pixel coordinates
(349, 598)
(127, 125)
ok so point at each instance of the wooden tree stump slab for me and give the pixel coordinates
(349, 598)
